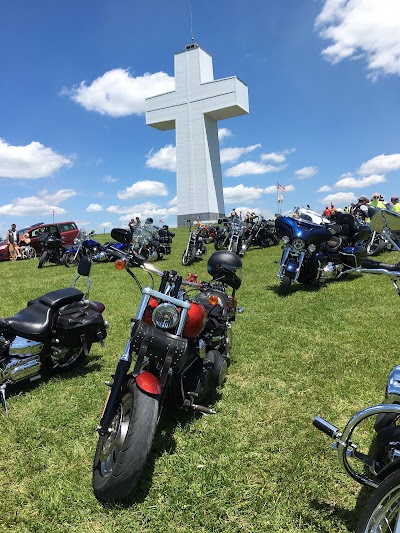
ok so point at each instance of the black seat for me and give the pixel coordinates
(34, 322)
(61, 297)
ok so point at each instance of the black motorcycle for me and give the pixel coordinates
(165, 237)
(53, 249)
(195, 247)
(55, 332)
(230, 236)
(180, 341)
(261, 233)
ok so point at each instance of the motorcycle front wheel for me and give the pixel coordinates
(121, 454)
(382, 512)
(70, 260)
(189, 256)
(284, 285)
(43, 259)
(376, 247)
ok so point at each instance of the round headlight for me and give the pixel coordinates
(165, 316)
(285, 239)
(298, 244)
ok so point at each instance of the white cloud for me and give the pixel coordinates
(143, 188)
(306, 172)
(339, 198)
(31, 205)
(277, 157)
(164, 159)
(223, 133)
(324, 188)
(58, 197)
(367, 29)
(242, 193)
(251, 167)
(148, 210)
(173, 202)
(380, 163)
(358, 183)
(29, 162)
(117, 93)
(94, 208)
(106, 225)
(233, 154)
(109, 179)
(272, 189)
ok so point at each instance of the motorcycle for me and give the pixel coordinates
(181, 344)
(146, 242)
(314, 252)
(231, 236)
(55, 332)
(260, 233)
(195, 247)
(53, 249)
(385, 226)
(85, 246)
(165, 237)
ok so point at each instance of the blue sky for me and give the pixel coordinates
(324, 96)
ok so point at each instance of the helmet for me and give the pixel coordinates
(149, 221)
(394, 199)
(223, 265)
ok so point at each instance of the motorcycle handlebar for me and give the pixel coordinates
(325, 427)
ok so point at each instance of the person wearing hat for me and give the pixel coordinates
(360, 209)
(396, 204)
(376, 201)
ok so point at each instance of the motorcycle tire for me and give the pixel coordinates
(383, 507)
(376, 247)
(234, 247)
(122, 453)
(70, 260)
(29, 253)
(73, 358)
(219, 244)
(284, 286)
(189, 257)
(43, 259)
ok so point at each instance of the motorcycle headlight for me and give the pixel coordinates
(165, 316)
(298, 244)
(76, 241)
(285, 239)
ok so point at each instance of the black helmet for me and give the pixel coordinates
(223, 265)
(149, 221)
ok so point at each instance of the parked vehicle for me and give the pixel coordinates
(195, 247)
(146, 241)
(67, 230)
(53, 249)
(55, 332)
(230, 237)
(260, 233)
(85, 245)
(385, 226)
(314, 252)
(181, 343)
(165, 237)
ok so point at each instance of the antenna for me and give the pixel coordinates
(191, 20)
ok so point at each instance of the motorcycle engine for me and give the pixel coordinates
(101, 256)
(330, 271)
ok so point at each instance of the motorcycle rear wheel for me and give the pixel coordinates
(122, 453)
(382, 512)
(73, 358)
(376, 247)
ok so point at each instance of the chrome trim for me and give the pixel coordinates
(299, 264)
(25, 347)
(344, 441)
(392, 392)
(284, 257)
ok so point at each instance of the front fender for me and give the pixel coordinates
(148, 383)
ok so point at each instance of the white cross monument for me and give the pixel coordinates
(193, 110)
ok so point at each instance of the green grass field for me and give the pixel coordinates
(258, 465)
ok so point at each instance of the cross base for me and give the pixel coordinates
(203, 217)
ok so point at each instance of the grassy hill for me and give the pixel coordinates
(258, 465)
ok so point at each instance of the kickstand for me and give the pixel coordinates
(3, 397)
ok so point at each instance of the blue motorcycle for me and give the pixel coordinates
(85, 245)
(316, 252)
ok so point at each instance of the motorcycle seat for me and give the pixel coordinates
(33, 322)
(59, 298)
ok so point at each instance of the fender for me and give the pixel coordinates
(148, 383)
(291, 267)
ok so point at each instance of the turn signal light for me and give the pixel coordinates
(213, 299)
(119, 264)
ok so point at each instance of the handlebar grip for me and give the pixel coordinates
(325, 427)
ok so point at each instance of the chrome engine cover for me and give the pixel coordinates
(392, 394)
(330, 271)
(100, 257)
(25, 347)
(17, 369)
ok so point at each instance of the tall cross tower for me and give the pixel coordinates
(193, 109)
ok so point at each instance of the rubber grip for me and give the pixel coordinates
(325, 427)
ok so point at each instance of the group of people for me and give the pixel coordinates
(15, 243)
(360, 209)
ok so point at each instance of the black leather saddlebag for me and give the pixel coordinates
(80, 325)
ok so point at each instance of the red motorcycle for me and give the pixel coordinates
(180, 341)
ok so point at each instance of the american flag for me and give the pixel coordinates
(281, 187)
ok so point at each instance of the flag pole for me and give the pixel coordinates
(277, 198)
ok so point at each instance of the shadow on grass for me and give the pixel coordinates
(348, 518)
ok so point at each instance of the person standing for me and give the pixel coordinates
(12, 240)
(396, 204)
(376, 201)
